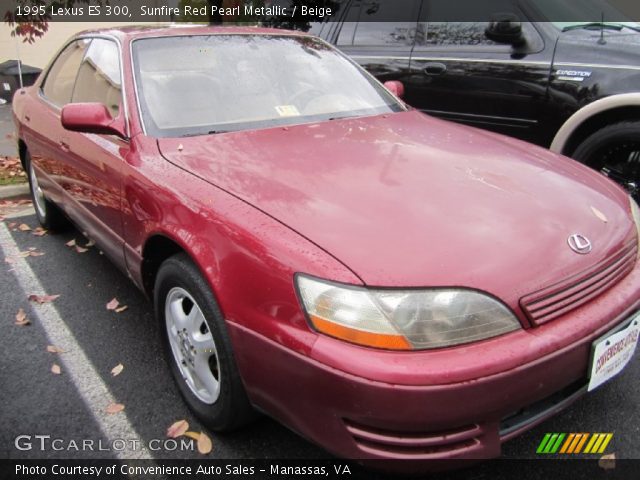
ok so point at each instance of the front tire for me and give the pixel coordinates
(614, 151)
(197, 346)
(48, 214)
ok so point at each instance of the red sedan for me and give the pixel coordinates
(389, 285)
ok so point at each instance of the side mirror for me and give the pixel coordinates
(505, 28)
(91, 118)
(396, 87)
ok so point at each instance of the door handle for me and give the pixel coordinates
(435, 68)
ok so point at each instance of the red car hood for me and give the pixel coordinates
(409, 200)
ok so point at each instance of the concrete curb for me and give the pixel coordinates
(10, 191)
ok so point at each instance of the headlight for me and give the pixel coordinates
(635, 211)
(403, 319)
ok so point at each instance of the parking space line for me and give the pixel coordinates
(93, 391)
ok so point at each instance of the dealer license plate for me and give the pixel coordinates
(612, 353)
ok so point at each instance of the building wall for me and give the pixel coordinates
(39, 53)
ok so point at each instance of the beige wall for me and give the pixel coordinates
(39, 53)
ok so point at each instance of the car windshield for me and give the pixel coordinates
(584, 13)
(207, 84)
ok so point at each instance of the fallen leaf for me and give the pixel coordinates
(193, 435)
(32, 252)
(204, 444)
(39, 232)
(21, 318)
(42, 298)
(607, 462)
(23, 227)
(90, 244)
(178, 429)
(81, 250)
(117, 370)
(113, 304)
(55, 369)
(71, 243)
(114, 408)
(54, 349)
(121, 309)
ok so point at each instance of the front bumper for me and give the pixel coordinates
(452, 404)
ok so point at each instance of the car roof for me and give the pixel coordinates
(171, 30)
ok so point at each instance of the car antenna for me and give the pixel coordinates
(602, 41)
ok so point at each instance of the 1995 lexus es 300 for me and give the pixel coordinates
(389, 285)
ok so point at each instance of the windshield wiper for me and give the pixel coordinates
(598, 25)
(198, 134)
(339, 117)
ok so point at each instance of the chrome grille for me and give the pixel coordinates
(552, 302)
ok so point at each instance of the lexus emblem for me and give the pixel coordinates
(579, 244)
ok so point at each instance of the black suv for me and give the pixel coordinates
(571, 86)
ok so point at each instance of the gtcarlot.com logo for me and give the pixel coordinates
(47, 443)
(574, 443)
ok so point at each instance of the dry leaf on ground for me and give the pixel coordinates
(178, 429)
(23, 227)
(81, 250)
(55, 369)
(204, 444)
(121, 309)
(194, 435)
(42, 298)
(54, 349)
(71, 243)
(607, 462)
(21, 318)
(113, 304)
(114, 408)
(117, 370)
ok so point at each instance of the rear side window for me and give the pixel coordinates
(99, 76)
(380, 23)
(58, 86)
(442, 28)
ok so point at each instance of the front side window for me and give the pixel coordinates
(99, 76)
(196, 85)
(58, 85)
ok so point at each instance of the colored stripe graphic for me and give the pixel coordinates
(543, 443)
(556, 446)
(567, 443)
(581, 442)
(573, 443)
(594, 439)
(605, 444)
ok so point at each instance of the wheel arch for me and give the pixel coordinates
(589, 119)
(22, 153)
(158, 248)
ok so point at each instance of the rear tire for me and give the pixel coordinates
(198, 348)
(48, 214)
(615, 152)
